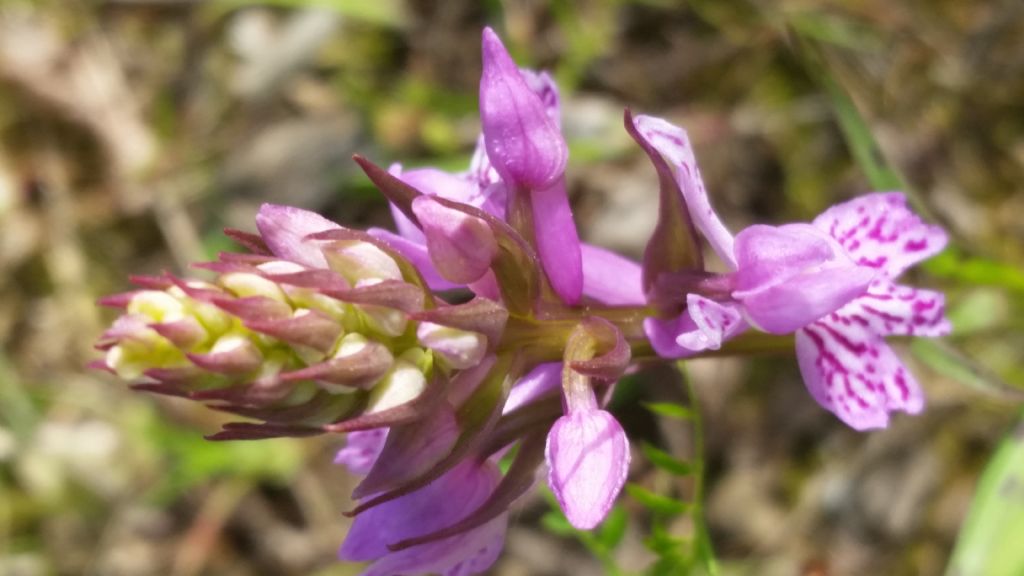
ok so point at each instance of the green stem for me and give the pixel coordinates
(544, 339)
(701, 542)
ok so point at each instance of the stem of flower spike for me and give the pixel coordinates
(544, 339)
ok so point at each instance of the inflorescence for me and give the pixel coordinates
(323, 329)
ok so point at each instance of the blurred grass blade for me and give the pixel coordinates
(17, 411)
(942, 357)
(389, 13)
(656, 502)
(669, 410)
(856, 129)
(971, 270)
(666, 461)
(989, 541)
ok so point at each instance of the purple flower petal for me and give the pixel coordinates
(472, 552)
(673, 143)
(433, 182)
(461, 246)
(558, 242)
(285, 229)
(663, 334)
(416, 254)
(542, 379)
(792, 275)
(703, 325)
(855, 374)
(410, 450)
(879, 231)
(889, 309)
(361, 450)
(543, 85)
(439, 504)
(523, 144)
(588, 459)
(611, 279)
(714, 323)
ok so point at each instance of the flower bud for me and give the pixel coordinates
(523, 143)
(298, 346)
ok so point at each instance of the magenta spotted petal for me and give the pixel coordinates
(848, 367)
(588, 459)
(880, 232)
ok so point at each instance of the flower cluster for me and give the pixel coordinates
(324, 329)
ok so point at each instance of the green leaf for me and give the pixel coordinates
(556, 523)
(612, 529)
(194, 460)
(670, 410)
(666, 461)
(656, 502)
(989, 541)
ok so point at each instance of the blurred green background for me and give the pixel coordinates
(132, 131)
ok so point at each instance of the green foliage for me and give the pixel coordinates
(690, 554)
(389, 13)
(989, 541)
(601, 542)
(670, 410)
(192, 460)
(667, 462)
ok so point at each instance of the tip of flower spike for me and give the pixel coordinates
(525, 146)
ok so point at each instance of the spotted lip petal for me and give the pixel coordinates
(703, 325)
(848, 367)
(855, 375)
(880, 232)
